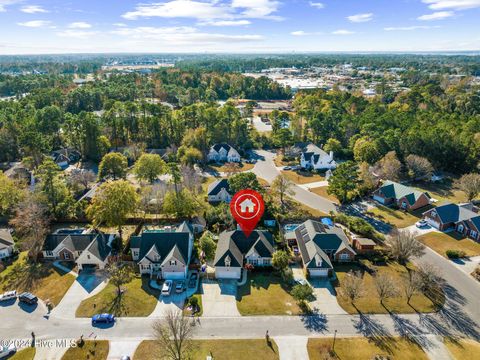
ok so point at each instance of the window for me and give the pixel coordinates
(135, 253)
(173, 262)
(49, 253)
(88, 257)
(344, 256)
(267, 262)
(227, 261)
(460, 228)
(473, 233)
(253, 261)
(66, 255)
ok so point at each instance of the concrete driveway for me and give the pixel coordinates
(168, 303)
(219, 299)
(326, 298)
(122, 348)
(86, 285)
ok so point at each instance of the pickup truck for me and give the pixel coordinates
(9, 295)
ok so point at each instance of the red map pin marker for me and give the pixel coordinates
(247, 208)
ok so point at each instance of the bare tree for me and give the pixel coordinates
(281, 188)
(231, 168)
(385, 286)
(389, 167)
(31, 223)
(402, 246)
(173, 334)
(418, 167)
(470, 185)
(191, 179)
(430, 278)
(412, 284)
(352, 286)
(80, 178)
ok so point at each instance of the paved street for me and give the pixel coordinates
(265, 169)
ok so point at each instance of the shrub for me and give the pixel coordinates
(359, 226)
(455, 254)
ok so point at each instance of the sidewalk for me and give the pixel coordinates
(292, 347)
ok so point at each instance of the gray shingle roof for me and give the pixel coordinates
(215, 187)
(236, 245)
(314, 238)
(452, 213)
(164, 241)
(99, 247)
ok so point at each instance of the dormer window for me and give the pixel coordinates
(228, 261)
(173, 262)
(156, 257)
(319, 262)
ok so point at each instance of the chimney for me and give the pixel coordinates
(331, 155)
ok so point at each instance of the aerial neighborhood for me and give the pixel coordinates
(116, 220)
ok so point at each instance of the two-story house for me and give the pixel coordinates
(314, 158)
(234, 250)
(223, 153)
(219, 191)
(164, 253)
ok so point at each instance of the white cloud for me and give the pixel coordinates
(226, 22)
(5, 3)
(206, 10)
(410, 28)
(342, 32)
(317, 5)
(439, 15)
(452, 4)
(359, 18)
(181, 35)
(180, 8)
(79, 25)
(33, 9)
(78, 34)
(35, 23)
(119, 24)
(304, 33)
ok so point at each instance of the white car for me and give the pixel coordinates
(167, 287)
(7, 351)
(421, 224)
(9, 295)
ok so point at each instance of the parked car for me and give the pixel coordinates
(287, 168)
(7, 351)
(180, 287)
(9, 295)
(103, 319)
(193, 280)
(28, 298)
(421, 224)
(167, 287)
(300, 281)
(125, 357)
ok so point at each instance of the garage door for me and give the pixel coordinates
(433, 223)
(88, 266)
(380, 199)
(227, 274)
(319, 273)
(174, 275)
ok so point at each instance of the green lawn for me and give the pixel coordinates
(218, 349)
(397, 217)
(441, 242)
(463, 349)
(24, 354)
(360, 348)
(370, 303)
(302, 177)
(322, 191)
(138, 300)
(42, 279)
(265, 294)
(91, 349)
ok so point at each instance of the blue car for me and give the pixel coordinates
(103, 319)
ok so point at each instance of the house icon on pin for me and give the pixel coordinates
(247, 205)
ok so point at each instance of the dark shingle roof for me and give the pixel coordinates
(99, 247)
(236, 245)
(217, 147)
(314, 238)
(449, 213)
(164, 242)
(215, 187)
(74, 242)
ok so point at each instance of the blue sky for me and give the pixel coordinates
(50, 26)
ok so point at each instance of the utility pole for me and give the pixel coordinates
(334, 338)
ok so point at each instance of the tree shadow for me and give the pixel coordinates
(374, 331)
(117, 307)
(410, 330)
(315, 321)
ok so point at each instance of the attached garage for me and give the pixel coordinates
(87, 266)
(228, 272)
(173, 275)
(318, 272)
(433, 223)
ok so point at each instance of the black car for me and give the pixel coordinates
(28, 298)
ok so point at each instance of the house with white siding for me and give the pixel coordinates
(234, 250)
(314, 158)
(223, 153)
(219, 191)
(6, 244)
